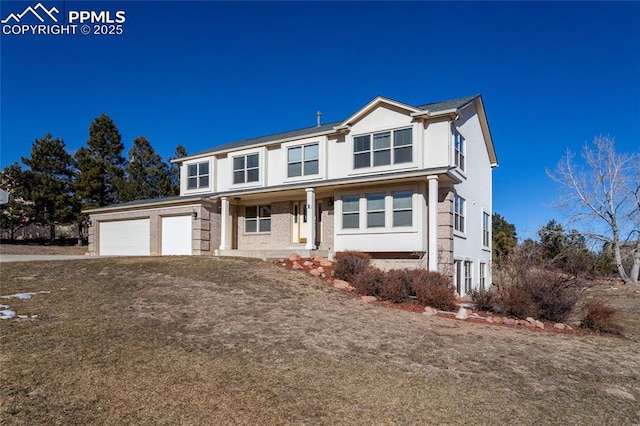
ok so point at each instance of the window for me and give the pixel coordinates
(245, 168)
(402, 208)
(486, 230)
(457, 272)
(458, 149)
(198, 175)
(458, 214)
(302, 160)
(467, 276)
(375, 211)
(391, 147)
(402, 146)
(380, 210)
(483, 275)
(361, 151)
(351, 212)
(257, 218)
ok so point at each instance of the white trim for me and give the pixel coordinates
(184, 177)
(262, 169)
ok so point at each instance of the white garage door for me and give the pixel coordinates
(176, 235)
(125, 238)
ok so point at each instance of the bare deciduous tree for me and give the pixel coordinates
(603, 200)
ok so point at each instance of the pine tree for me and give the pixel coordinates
(52, 168)
(552, 240)
(174, 170)
(19, 211)
(147, 175)
(504, 238)
(100, 180)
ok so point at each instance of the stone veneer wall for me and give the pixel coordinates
(445, 231)
(326, 242)
(278, 238)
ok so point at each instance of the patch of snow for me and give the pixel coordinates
(7, 314)
(23, 295)
(4, 306)
(23, 316)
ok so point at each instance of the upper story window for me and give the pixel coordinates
(198, 175)
(486, 229)
(246, 168)
(458, 150)
(257, 218)
(383, 148)
(302, 160)
(458, 214)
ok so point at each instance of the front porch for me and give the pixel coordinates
(273, 254)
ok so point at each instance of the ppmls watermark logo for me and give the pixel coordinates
(40, 20)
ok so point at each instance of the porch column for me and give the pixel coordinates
(224, 223)
(311, 218)
(432, 229)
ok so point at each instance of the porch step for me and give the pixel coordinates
(271, 254)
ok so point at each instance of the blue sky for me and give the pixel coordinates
(552, 75)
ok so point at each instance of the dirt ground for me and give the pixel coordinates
(190, 340)
(41, 249)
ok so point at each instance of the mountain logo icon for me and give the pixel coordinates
(38, 11)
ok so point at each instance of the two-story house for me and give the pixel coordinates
(394, 180)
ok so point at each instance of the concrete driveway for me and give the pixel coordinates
(41, 257)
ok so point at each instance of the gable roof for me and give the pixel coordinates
(430, 109)
(291, 134)
(447, 105)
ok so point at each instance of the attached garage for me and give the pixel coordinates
(125, 237)
(176, 235)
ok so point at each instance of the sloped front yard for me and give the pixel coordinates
(235, 341)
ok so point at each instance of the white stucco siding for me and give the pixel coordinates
(382, 118)
(437, 146)
(476, 189)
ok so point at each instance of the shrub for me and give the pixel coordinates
(369, 281)
(433, 289)
(513, 300)
(349, 264)
(602, 317)
(396, 285)
(484, 300)
(555, 295)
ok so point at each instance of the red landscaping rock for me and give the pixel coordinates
(429, 311)
(315, 272)
(342, 285)
(294, 257)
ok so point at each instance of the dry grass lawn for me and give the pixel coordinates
(33, 248)
(191, 340)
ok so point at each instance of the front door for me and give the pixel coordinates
(299, 222)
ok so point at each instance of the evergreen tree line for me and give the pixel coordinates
(56, 186)
(555, 248)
